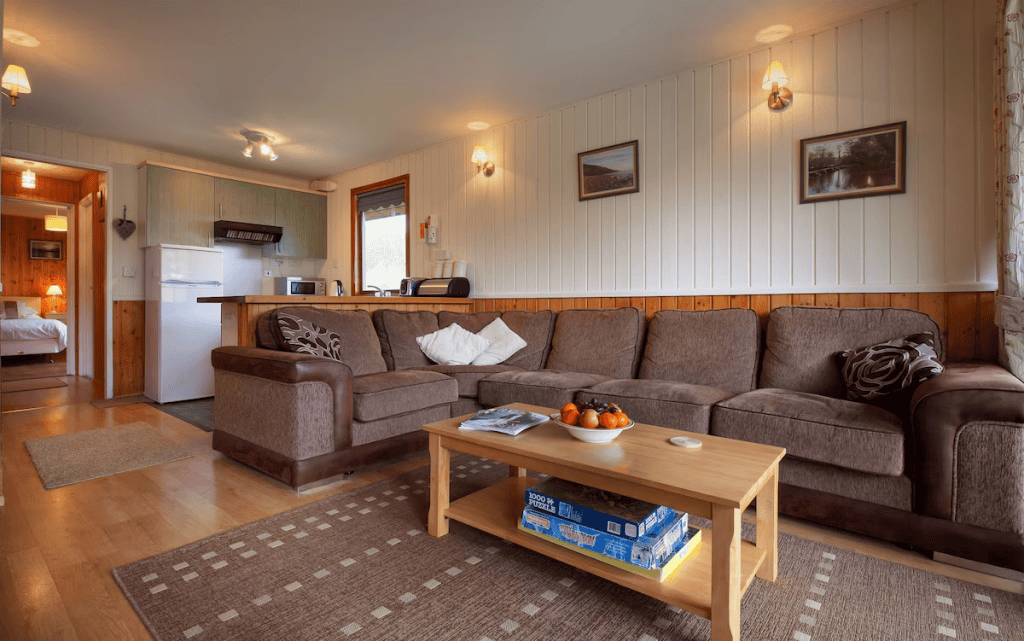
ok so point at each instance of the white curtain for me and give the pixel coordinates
(1009, 132)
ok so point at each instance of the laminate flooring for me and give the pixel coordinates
(57, 547)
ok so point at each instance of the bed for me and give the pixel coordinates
(32, 334)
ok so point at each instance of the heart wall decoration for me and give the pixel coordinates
(123, 226)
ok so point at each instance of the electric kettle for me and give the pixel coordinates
(339, 289)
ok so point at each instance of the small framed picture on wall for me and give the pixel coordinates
(609, 171)
(854, 164)
(46, 249)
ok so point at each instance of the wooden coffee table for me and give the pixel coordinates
(717, 481)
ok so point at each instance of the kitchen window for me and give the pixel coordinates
(380, 235)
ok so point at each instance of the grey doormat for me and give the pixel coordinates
(198, 412)
(360, 565)
(26, 385)
(65, 459)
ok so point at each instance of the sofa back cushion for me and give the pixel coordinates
(397, 332)
(713, 348)
(598, 341)
(533, 327)
(357, 344)
(801, 343)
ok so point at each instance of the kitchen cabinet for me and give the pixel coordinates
(303, 219)
(243, 202)
(177, 207)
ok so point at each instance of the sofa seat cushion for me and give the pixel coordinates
(469, 376)
(680, 406)
(546, 387)
(850, 435)
(377, 396)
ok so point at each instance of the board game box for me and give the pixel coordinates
(596, 509)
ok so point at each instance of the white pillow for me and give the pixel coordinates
(504, 343)
(452, 345)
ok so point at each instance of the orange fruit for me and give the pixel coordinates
(569, 406)
(570, 416)
(609, 421)
(623, 419)
(589, 419)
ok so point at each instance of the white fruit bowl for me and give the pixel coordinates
(595, 435)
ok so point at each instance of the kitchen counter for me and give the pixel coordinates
(256, 299)
(238, 314)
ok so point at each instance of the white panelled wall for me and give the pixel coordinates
(718, 210)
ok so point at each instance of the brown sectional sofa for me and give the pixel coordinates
(941, 469)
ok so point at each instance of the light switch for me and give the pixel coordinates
(128, 272)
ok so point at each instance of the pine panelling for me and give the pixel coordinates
(25, 277)
(129, 346)
(52, 190)
(718, 211)
(965, 319)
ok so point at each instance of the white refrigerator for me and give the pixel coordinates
(180, 332)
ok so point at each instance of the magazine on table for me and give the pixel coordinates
(504, 420)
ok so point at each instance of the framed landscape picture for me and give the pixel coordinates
(46, 249)
(609, 171)
(854, 164)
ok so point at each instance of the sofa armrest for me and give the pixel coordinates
(966, 393)
(291, 368)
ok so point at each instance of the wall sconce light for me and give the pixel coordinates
(15, 81)
(28, 179)
(254, 138)
(480, 158)
(775, 80)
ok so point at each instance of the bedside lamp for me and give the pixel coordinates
(53, 292)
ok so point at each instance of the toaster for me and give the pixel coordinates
(457, 287)
(409, 286)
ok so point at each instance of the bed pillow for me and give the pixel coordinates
(504, 343)
(879, 370)
(14, 309)
(452, 345)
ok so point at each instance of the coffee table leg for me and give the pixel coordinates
(440, 475)
(768, 526)
(725, 573)
(514, 471)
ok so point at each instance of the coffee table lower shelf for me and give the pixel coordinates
(498, 508)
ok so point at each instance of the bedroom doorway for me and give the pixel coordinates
(51, 266)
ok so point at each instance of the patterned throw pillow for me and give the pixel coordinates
(304, 337)
(878, 370)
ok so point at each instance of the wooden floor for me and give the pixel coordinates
(57, 547)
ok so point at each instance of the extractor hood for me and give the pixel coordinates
(248, 233)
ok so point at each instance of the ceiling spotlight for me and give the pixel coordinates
(477, 125)
(20, 38)
(260, 139)
(773, 33)
(28, 179)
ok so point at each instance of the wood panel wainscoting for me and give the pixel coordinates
(966, 319)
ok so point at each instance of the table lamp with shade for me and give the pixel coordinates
(53, 292)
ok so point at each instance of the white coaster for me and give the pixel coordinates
(685, 441)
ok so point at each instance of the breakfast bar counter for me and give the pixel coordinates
(238, 314)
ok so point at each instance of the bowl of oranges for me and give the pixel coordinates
(593, 422)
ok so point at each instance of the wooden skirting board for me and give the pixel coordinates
(965, 318)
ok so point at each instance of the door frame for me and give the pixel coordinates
(108, 303)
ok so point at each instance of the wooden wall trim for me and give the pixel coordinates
(129, 346)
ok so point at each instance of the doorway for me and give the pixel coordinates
(49, 248)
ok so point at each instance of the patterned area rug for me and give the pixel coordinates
(65, 459)
(361, 566)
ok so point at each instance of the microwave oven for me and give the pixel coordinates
(298, 286)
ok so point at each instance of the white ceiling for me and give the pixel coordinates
(31, 208)
(347, 83)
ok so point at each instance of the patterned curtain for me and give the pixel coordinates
(1009, 132)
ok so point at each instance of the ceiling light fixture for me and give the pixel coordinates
(773, 33)
(477, 125)
(28, 179)
(254, 138)
(15, 81)
(55, 221)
